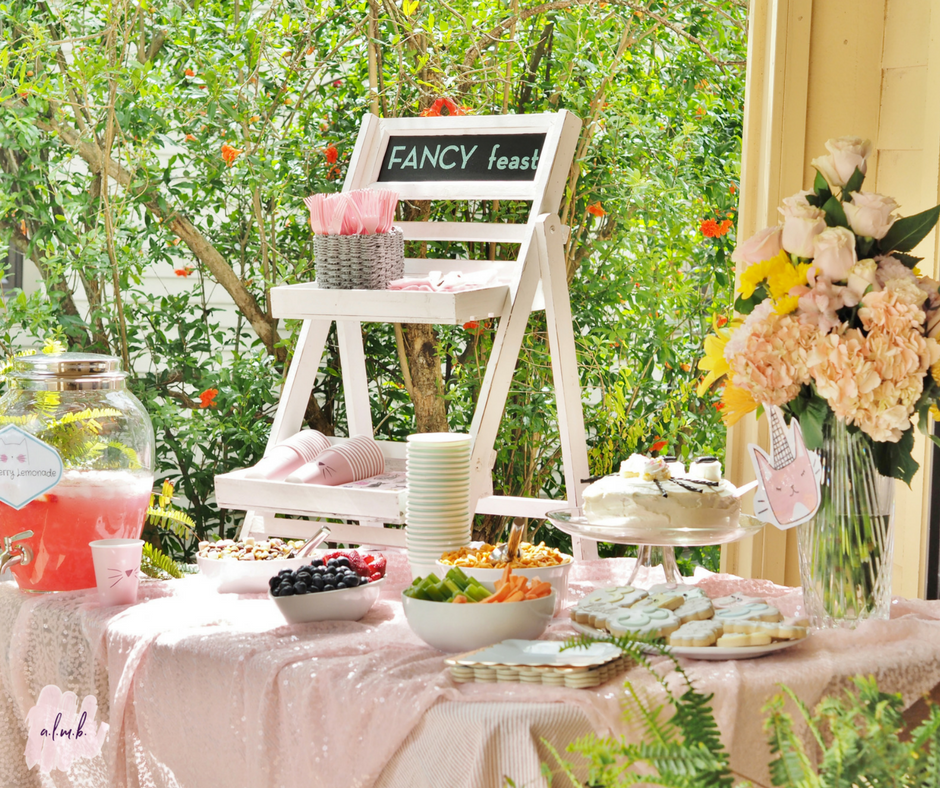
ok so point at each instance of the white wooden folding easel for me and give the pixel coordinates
(463, 159)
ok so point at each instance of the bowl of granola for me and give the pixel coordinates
(245, 567)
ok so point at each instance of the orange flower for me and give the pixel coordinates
(470, 325)
(254, 118)
(189, 72)
(596, 209)
(207, 398)
(732, 189)
(709, 228)
(724, 227)
(183, 271)
(720, 321)
(658, 445)
(191, 137)
(229, 154)
(331, 154)
(438, 107)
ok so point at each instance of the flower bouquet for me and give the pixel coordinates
(838, 329)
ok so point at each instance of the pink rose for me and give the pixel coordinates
(835, 253)
(792, 205)
(869, 214)
(759, 247)
(845, 154)
(800, 229)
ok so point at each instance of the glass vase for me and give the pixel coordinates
(846, 550)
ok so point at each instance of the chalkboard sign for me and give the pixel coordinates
(462, 157)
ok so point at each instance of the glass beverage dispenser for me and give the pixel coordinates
(78, 406)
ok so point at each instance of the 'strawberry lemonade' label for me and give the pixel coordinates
(83, 506)
(28, 467)
(61, 733)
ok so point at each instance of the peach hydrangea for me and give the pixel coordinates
(891, 310)
(767, 355)
(842, 371)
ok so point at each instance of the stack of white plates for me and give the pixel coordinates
(438, 513)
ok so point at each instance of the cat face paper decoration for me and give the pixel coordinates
(788, 478)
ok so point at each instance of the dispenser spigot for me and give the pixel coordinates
(13, 553)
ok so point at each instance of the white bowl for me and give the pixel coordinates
(343, 604)
(557, 576)
(245, 577)
(450, 627)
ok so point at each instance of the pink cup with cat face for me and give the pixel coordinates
(358, 458)
(117, 567)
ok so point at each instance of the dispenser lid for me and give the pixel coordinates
(68, 371)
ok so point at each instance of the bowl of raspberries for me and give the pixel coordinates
(338, 586)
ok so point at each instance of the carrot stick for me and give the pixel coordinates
(499, 596)
(515, 596)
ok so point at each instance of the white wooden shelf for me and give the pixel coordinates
(309, 302)
(234, 491)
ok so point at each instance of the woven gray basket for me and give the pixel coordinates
(359, 262)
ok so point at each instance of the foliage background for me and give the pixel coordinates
(212, 120)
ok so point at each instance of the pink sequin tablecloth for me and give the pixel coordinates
(204, 689)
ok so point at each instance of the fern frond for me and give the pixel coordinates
(791, 766)
(173, 520)
(563, 765)
(155, 563)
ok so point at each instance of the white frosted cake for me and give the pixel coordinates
(653, 493)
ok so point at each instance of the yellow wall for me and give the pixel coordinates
(826, 68)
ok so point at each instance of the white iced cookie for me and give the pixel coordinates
(671, 588)
(695, 609)
(696, 634)
(643, 622)
(625, 596)
(667, 601)
(778, 630)
(735, 599)
(742, 640)
(753, 611)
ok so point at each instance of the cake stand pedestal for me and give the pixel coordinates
(574, 523)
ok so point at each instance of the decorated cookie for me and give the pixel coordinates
(627, 596)
(667, 601)
(671, 588)
(735, 599)
(695, 609)
(696, 634)
(753, 611)
(743, 639)
(778, 630)
(643, 622)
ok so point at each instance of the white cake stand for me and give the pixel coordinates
(631, 532)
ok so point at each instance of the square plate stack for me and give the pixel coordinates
(438, 510)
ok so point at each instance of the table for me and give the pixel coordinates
(205, 689)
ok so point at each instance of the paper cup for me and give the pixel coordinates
(358, 458)
(117, 564)
(287, 456)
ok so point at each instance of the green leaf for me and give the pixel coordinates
(906, 233)
(894, 459)
(745, 306)
(835, 214)
(908, 259)
(854, 183)
(821, 186)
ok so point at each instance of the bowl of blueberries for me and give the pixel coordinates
(330, 590)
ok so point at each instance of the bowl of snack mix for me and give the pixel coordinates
(245, 567)
(546, 563)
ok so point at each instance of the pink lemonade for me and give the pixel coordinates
(82, 507)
